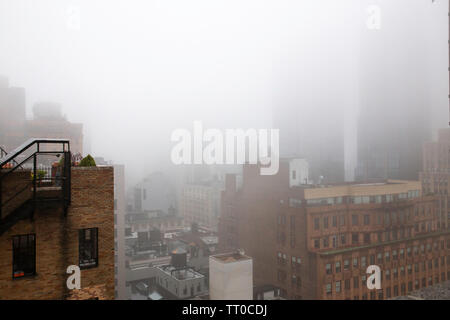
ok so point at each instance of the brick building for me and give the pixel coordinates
(436, 173)
(316, 241)
(47, 122)
(40, 236)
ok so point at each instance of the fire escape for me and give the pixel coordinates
(34, 175)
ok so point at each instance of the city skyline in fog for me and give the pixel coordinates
(133, 73)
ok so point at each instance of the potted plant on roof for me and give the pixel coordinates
(40, 176)
(88, 161)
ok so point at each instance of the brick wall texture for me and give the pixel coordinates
(57, 241)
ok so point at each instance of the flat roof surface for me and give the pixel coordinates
(231, 257)
(180, 274)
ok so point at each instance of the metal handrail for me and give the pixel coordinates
(65, 178)
(3, 153)
(31, 142)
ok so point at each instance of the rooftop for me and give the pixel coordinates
(439, 291)
(361, 189)
(231, 257)
(180, 274)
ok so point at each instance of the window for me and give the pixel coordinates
(354, 220)
(346, 264)
(281, 276)
(355, 238)
(328, 288)
(317, 243)
(88, 248)
(363, 262)
(366, 219)
(328, 268)
(347, 284)
(24, 255)
(343, 239)
(334, 221)
(338, 267)
(388, 275)
(338, 286)
(355, 282)
(355, 262)
(325, 222)
(294, 280)
(380, 258)
(316, 224)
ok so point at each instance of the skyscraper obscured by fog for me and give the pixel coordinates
(12, 111)
(317, 139)
(312, 89)
(47, 122)
(395, 90)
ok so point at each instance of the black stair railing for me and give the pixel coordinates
(3, 153)
(29, 152)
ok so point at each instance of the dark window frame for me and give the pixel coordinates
(82, 243)
(15, 254)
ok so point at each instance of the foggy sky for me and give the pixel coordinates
(136, 70)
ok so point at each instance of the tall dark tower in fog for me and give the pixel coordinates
(394, 112)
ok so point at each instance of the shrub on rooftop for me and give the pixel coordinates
(88, 161)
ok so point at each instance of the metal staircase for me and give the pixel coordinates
(29, 179)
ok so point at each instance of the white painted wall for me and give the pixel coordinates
(301, 169)
(230, 281)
